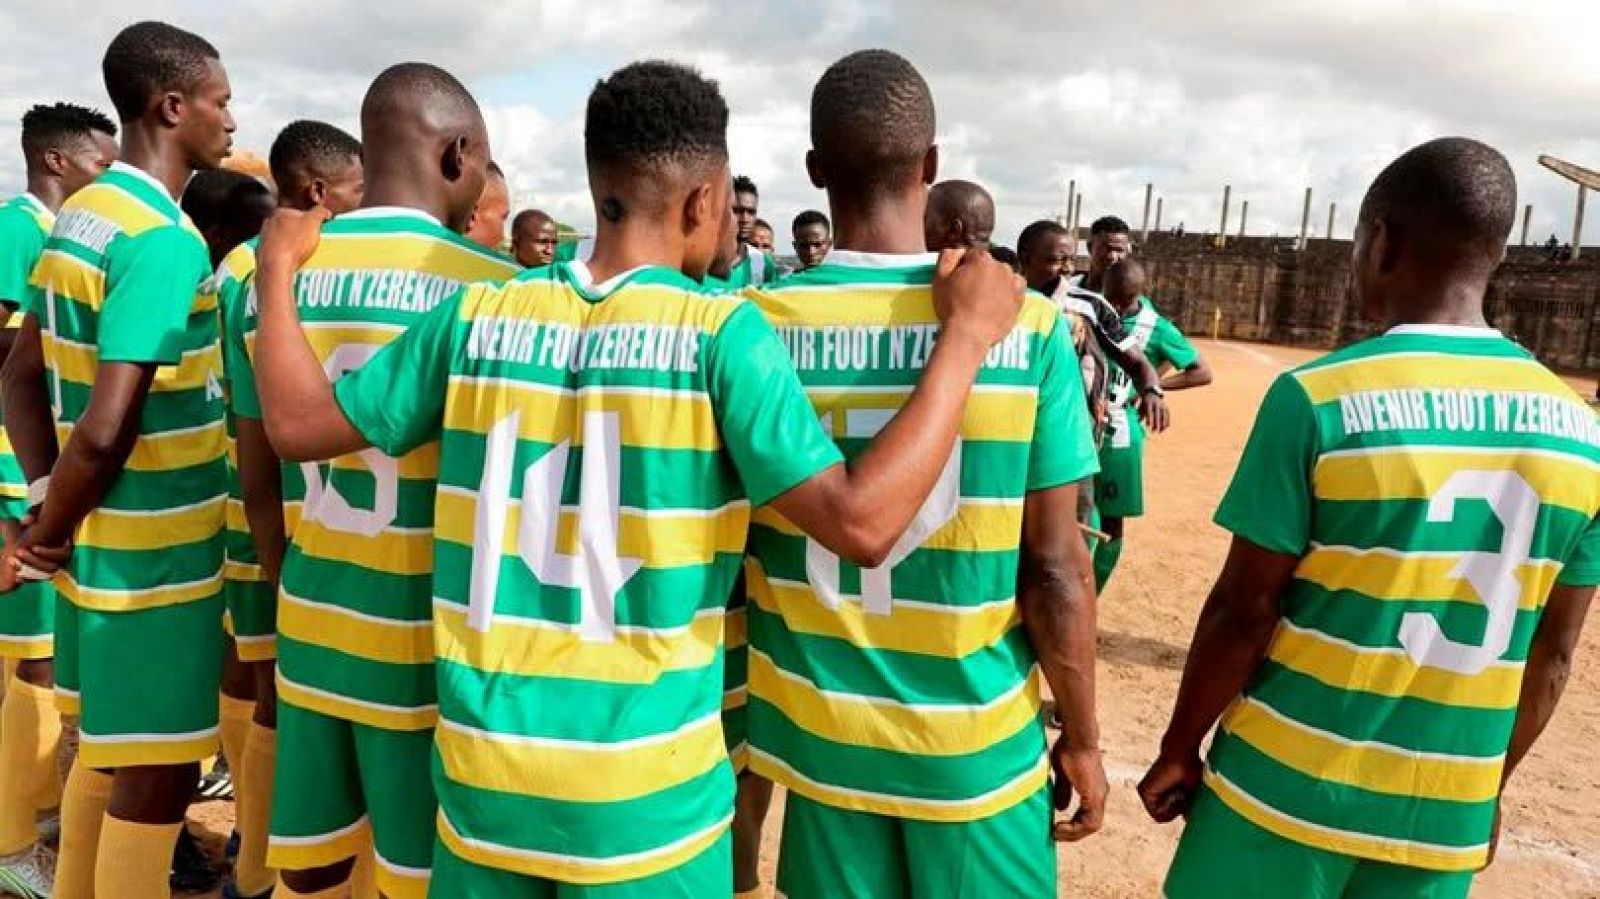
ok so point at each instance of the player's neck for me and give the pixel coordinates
(1093, 280)
(405, 192)
(626, 245)
(1457, 304)
(145, 148)
(48, 191)
(890, 224)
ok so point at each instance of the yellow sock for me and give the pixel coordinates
(364, 877)
(342, 891)
(253, 804)
(29, 729)
(235, 725)
(83, 809)
(135, 859)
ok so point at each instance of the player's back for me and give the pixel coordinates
(590, 525)
(1451, 477)
(910, 689)
(354, 604)
(122, 280)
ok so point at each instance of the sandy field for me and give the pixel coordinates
(1551, 846)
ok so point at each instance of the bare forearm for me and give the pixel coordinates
(1197, 375)
(29, 421)
(1548, 667)
(261, 481)
(1230, 642)
(80, 480)
(302, 418)
(1059, 610)
(1134, 362)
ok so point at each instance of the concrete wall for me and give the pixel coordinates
(1267, 291)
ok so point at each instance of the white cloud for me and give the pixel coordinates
(1270, 98)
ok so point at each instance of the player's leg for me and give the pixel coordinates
(1224, 856)
(395, 767)
(1009, 855)
(1119, 494)
(1377, 880)
(30, 729)
(237, 704)
(252, 612)
(751, 803)
(149, 685)
(834, 853)
(87, 791)
(319, 815)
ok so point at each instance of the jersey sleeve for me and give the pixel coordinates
(1063, 440)
(21, 242)
(1269, 501)
(1583, 566)
(151, 280)
(396, 400)
(768, 426)
(1169, 345)
(242, 398)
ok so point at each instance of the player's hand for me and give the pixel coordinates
(1082, 771)
(1170, 786)
(975, 295)
(1154, 413)
(10, 568)
(290, 236)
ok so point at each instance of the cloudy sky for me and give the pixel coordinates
(1188, 94)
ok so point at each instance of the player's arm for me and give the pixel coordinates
(1113, 339)
(1192, 370)
(29, 421)
(1198, 374)
(301, 417)
(858, 510)
(1548, 667)
(261, 482)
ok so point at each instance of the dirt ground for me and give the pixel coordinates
(1551, 846)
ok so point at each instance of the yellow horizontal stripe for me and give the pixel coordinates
(1393, 673)
(108, 529)
(578, 773)
(264, 649)
(116, 205)
(1414, 855)
(660, 541)
(904, 807)
(574, 869)
(1389, 770)
(736, 629)
(408, 552)
(154, 752)
(307, 853)
(863, 721)
(171, 450)
(1424, 372)
(385, 717)
(926, 630)
(235, 518)
(1412, 577)
(71, 278)
(42, 647)
(393, 884)
(134, 600)
(407, 252)
(997, 415)
(13, 491)
(739, 758)
(977, 527)
(366, 637)
(654, 420)
(635, 304)
(240, 262)
(78, 363)
(242, 572)
(870, 305)
(534, 649)
(68, 703)
(1416, 473)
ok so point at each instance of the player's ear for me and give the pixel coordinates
(814, 169)
(930, 165)
(697, 208)
(1386, 248)
(317, 192)
(454, 162)
(170, 106)
(55, 162)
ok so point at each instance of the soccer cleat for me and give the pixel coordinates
(31, 875)
(191, 870)
(216, 783)
(49, 825)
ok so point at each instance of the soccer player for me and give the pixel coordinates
(897, 701)
(1119, 491)
(228, 209)
(534, 238)
(761, 236)
(1415, 549)
(313, 164)
(750, 268)
(356, 688)
(960, 214)
(488, 225)
(813, 238)
(1110, 242)
(580, 589)
(64, 148)
(129, 339)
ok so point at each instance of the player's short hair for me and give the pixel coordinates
(744, 184)
(965, 200)
(495, 171)
(49, 126)
(1108, 224)
(872, 119)
(1030, 238)
(811, 217)
(307, 149)
(530, 215)
(1125, 270)
(761, 223)
(654, 118)
(216, 196)
(149, 58)
(1453, 197)
(1005, 255)
(408, 86)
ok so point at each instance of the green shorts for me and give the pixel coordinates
(144, 683)
(28, 622)
(1224, 856)
(252, 619)
(1119, 488)
(335, 781)
(709, 874)
(834, 853)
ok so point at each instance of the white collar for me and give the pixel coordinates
(366, 212)
(1443, 331)
(142, 175)
(585, 277)
(858, 259)
(36, 203)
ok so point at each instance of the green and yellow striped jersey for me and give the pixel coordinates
(123, 278)
(602, 445)
(1435, 483)
(910, 689)
(25, 225)
(354, 637)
